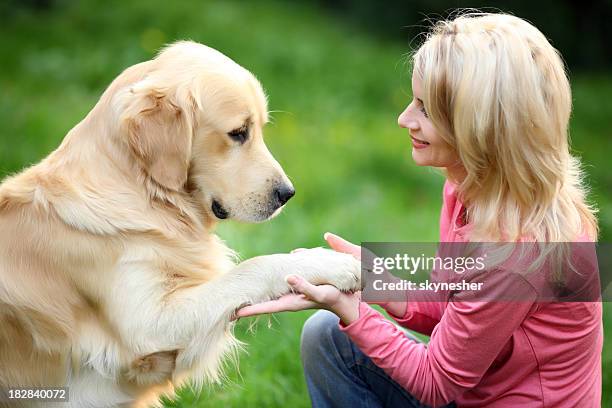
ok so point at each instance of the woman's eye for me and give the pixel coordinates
(239, 135)
(422, 109)
(421, 106)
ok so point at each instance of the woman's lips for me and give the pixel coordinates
(418, 144)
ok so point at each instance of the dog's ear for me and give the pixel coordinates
(159, 133)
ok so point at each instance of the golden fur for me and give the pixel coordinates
(111, 281)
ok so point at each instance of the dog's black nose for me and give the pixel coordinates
(284, 193)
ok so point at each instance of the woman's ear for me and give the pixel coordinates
(159, 133)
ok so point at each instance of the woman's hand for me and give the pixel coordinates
(341, 245)
(309, 296)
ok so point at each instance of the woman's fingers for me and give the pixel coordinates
(341, 245)
(287, 303)
(302, 286)
(324, 295)
(307, 296)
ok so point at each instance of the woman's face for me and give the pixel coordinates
(428, 148)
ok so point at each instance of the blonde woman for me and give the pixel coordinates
(491, 105)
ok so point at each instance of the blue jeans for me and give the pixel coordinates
(338, 374)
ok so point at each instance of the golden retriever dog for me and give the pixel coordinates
(112, 282)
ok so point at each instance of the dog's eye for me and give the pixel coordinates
(239, 135)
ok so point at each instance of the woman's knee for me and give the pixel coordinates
(319, 334)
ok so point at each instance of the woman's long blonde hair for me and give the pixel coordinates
(497, 92)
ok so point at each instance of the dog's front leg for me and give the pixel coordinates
(196, 321)
(263, 278)
(212, 305)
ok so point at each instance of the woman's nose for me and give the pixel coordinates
(406, 121)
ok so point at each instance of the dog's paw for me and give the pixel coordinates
(325, 266)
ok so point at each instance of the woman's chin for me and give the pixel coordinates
(419, 158)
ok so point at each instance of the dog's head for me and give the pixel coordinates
(193, 121)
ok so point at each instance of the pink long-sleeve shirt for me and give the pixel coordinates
(489, 354)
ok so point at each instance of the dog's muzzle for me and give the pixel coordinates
(283, 194)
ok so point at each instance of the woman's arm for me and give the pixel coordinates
(421, 315)
(463, 345)
(418, 314)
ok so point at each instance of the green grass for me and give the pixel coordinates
(335, 92)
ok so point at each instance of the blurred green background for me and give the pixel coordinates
(337, 77)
